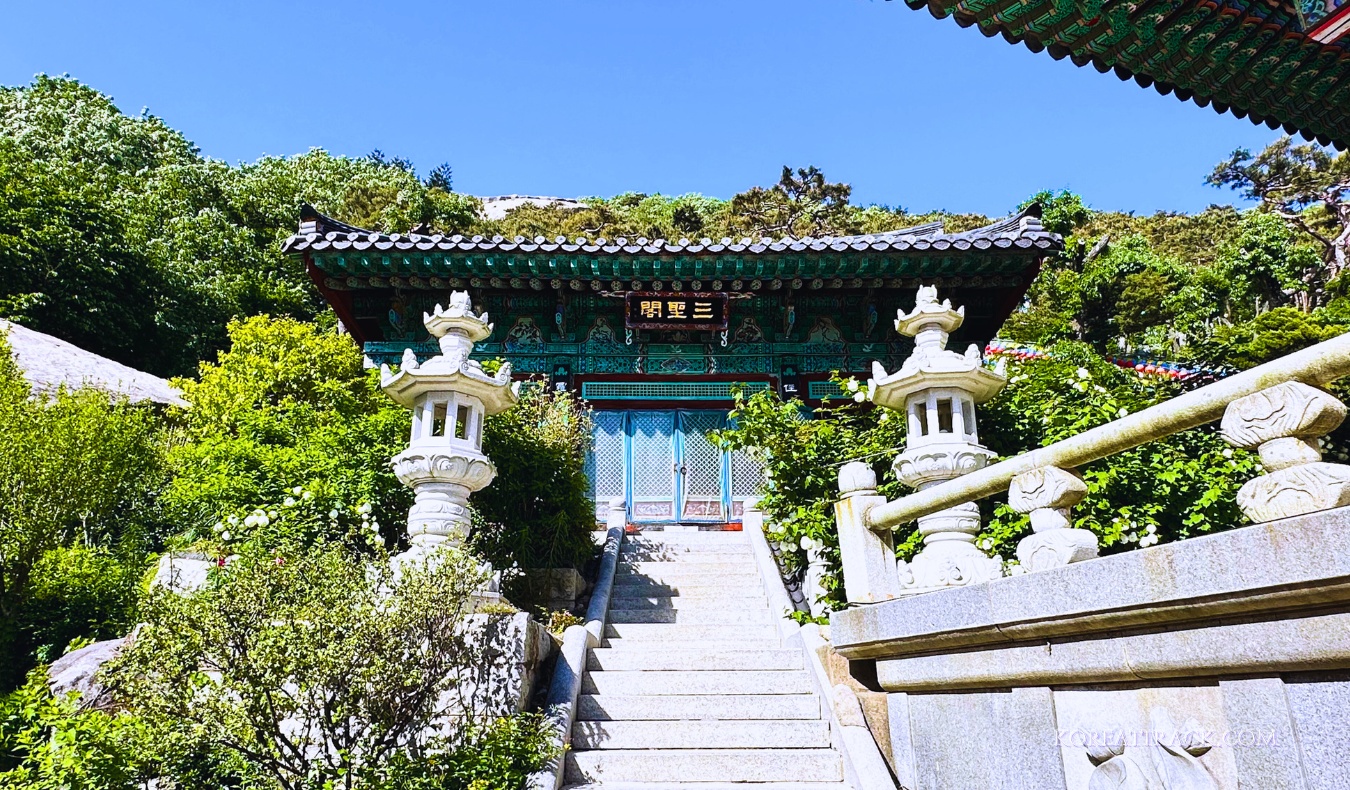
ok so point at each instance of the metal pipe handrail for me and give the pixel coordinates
(1317, 365)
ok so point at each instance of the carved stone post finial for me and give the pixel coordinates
(1283, 423)
(1048, 494)
(867, 557)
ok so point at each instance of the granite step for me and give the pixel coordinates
(714, 707)
(706, 616)
(657, 682)
(740, 587)
(709, 786)
(715, 563)
(704, 765)
(688, 634)
(668, 552)
(625, 602)
(660, 658)
(701, 735)
(677, 573)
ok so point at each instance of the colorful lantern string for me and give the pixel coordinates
(1144, 366)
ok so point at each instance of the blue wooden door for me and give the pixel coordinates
(666, 468)
(653, 469)
(702, 467)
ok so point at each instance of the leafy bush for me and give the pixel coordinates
(499, 755)
(801, 452)
(79, 592)
(536, 512)
(113, 449)
(50, 743)
(288, 405)
(316, 667)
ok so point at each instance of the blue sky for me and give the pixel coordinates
(586, 97)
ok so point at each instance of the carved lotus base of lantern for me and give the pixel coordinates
(1295, 491)
(462, 466)
(949, 557)
(932, 463)
(1056, 547)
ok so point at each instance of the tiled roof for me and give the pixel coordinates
(1020, 232)
(1264, 60)
(49, 363)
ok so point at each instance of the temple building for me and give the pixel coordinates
(656, 335)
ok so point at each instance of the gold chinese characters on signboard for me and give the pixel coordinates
(707, 311)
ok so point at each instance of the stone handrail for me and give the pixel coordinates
(1277, 408)
(1317, 365)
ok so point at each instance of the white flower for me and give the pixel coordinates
(1227, 452)
(859, 396)
(234, 520)
(1083, 373)
(805, 543)
(852, 385)
(307, 495)
(1151, 528)
(1124, 412)
(297, 490)
(885, 415)
(332, 514)
(365, 508)
(271, 514)
(375, 525)
(290, 500)
(227, 537)
(251, 521)
(220, 525)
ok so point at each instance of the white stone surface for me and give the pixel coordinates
(182, 572)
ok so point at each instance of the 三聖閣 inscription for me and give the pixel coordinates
(706, 311)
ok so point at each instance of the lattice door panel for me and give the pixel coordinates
(605, 462)
(702, 467)
(747, 475)
(652, 465)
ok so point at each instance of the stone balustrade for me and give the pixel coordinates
(1277, 409)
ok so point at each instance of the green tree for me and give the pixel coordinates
(1308, 187)
(802, 203)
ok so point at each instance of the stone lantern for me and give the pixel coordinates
(937, 391)
(449, 395)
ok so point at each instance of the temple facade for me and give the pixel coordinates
(657, 335)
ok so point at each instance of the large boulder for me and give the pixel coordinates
(78, 671)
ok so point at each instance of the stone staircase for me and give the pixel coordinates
(692, 687)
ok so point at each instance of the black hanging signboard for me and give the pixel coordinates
(696, 311)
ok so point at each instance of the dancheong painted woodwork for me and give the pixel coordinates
(762, 314)
(1284, 63)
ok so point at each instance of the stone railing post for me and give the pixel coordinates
(616, 517)
(867, 557)
(1048, 494)
(1283, 423)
